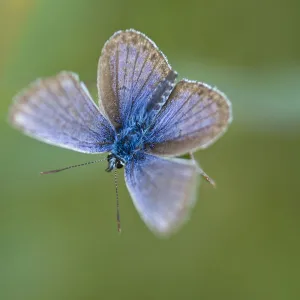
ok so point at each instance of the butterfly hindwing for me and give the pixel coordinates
(134, 77)
(194, 116)
(163, 191)
(59, 111)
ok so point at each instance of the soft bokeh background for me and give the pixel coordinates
(58, 236)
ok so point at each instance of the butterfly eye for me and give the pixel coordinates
(119, 164)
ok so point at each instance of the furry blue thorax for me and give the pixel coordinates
(131, 140)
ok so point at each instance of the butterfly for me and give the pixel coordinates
(144, 121)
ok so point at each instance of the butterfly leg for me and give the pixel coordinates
(201, 172)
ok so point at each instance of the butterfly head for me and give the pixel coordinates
(114, 162)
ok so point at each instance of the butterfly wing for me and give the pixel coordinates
(194, 116)
(134, 77)
(60, 111)
(163, 191)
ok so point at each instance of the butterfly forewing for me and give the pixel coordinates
(60, 111)
(163, 191)
(194, 116)
(134, 77)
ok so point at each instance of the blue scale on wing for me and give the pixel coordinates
(134, 78)
(194, 116)
(163, 191)
(59, 111)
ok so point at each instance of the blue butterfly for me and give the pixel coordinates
(144, 120)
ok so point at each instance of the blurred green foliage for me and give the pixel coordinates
(58, 233)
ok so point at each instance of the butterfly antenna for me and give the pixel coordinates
(201, 172)
(70, 167)
(117, 202)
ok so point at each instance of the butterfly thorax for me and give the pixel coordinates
(129, 143)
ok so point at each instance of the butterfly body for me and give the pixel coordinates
(143, 121)
(130, 141)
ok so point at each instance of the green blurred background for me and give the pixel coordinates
(58, 236)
